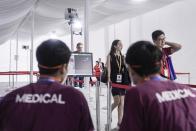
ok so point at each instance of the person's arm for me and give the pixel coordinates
(102, 65)
(124, 61)
(133, 112)
(108, 66)
(174, 46)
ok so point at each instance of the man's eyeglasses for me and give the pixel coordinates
(162, 39)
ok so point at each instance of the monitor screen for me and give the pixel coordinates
(80, 64)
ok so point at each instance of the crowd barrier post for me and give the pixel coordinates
(100, 85)
(89, 92)
(9, 81)
(13, 82)
(98, 105)
(109, 113)
(72, 81)
(189, 79)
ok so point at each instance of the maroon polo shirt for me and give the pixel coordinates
(159, 106)
(45, 106)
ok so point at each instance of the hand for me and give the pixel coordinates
(109, 80)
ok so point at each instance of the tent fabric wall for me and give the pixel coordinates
(127, 24)
(12, 13)
(49, 14)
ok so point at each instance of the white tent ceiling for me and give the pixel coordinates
(49, 14)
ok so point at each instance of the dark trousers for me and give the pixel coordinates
(81, 78)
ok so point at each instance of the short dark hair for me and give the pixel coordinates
(52, 53)
(156, 34)
(78, 44)
(144, 58)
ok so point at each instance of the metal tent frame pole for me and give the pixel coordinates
(71, 30)
(32, 44)
(86, 28)
(16, 56)
(98, 106)
(86, 49)
(10, 61)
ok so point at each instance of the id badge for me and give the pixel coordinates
(166, 72)
(119, 78)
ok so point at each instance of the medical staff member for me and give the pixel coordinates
(47, 105)
(155, 104)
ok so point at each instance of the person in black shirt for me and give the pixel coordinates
(116, 66)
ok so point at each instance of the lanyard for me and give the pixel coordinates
(119, 62)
